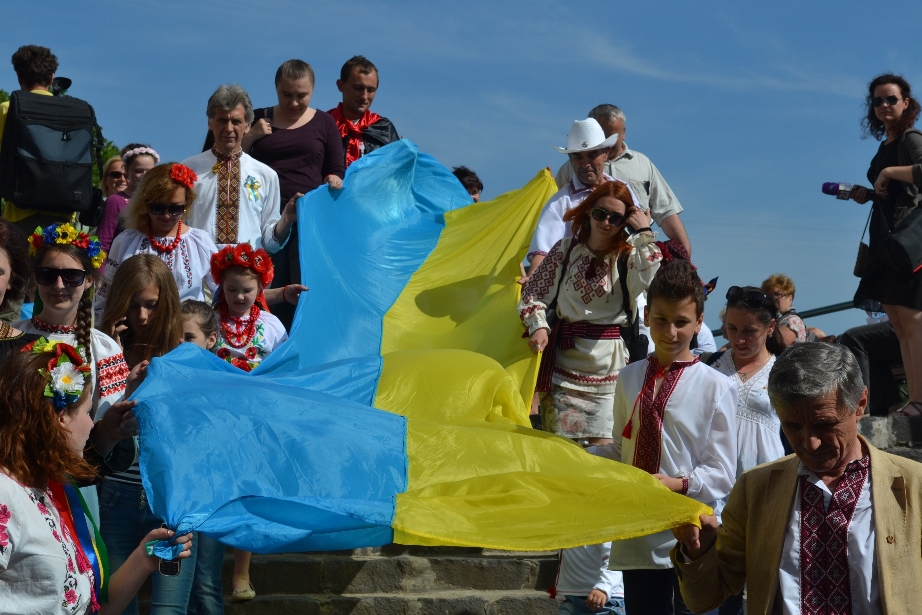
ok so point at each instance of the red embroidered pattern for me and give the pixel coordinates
(541, 283)
(112, 373)
(227, 215)
(528, 311)
(49, 328)
(587, 286)
(648, 447)
(825, 583)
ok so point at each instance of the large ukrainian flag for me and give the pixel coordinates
(397, 411)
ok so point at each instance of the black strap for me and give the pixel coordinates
(563, 271)
(633, 320)
(710, 358)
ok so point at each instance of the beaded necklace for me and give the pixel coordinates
(238, 331)
(165, 248)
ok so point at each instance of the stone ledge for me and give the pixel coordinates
(892, 432)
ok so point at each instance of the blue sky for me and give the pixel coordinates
(746, 109)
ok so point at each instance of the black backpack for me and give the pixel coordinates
(46, 158)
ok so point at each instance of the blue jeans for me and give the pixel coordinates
(576, 605)
(125, 519)
(207, 595)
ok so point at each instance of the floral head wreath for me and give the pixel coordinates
(244, 255)
(182, 174)
(66, 372)
(66, 235)
(139, 151)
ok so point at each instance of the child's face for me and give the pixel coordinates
(142, 307)
(240, 291)
(193, 333)
(672, 324)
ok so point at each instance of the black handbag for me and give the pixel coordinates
(861, 262)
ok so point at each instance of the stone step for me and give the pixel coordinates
(521, 602)
(892, 432)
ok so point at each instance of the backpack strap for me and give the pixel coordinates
(563, 271)
(710, 358)
(633, 320)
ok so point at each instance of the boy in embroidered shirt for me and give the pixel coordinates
(675, 418)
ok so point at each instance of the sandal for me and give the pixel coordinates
(912, 410)
(242, 595)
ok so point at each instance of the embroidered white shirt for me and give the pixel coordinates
(259, 210)
(698, 441)
(190, 263)
(269, 334)
(861, 536)
(591, 365)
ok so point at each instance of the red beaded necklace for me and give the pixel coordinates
(238, 331)
(168, 247)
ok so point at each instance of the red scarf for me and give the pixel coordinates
(353, 131)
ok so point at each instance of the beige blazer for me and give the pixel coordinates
(755, 520)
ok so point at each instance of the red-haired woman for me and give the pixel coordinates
(49, 553)
(580, 279)
(896, 172)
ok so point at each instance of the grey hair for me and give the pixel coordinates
(229, 97)
(607, 113)
(810, 370)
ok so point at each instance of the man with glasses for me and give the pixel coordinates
(588, 149)
(641, 175)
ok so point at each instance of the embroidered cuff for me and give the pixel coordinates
(684, 485)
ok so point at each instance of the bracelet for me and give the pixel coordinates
(642, 230)
(684, 485)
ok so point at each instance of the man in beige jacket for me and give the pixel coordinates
(834, 529)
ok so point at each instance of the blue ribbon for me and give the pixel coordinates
(77, 512)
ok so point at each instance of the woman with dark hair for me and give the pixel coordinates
(49, 560)
(304, 147)
(15, 274)
(896, 172)
(755, 341)
(580, 280)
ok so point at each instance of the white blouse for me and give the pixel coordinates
(39, 570)
(758, 429)
(190, 263)
(269, 334)
(591, 365)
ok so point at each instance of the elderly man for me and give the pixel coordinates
(836, 529)
(588, 149)
(637, 170)
(237, 196)
(362, 131)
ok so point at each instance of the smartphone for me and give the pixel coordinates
(169, 567)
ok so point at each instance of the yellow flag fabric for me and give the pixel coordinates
(455, 364)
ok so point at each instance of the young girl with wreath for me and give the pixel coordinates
(248, 331)
(65, 263)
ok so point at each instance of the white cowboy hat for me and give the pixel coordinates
(585, 136)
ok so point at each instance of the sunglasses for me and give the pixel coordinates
(116, 174)
(158, 209)
(890, 100)
(753, 298)
(601, 215)
(71, 277)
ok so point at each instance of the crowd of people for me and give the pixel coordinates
(205, 251)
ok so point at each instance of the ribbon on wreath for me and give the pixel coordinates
(252, 186)
(74, 514)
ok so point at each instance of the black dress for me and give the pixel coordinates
(881, 282)
(9, 345)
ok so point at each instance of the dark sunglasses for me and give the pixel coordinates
(601, 215)
(158, 209)
(890, 100)
(753, 298)
(71, 277)
(116, 174)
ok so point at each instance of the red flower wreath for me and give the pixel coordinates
(182, 174)
(243, 255)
